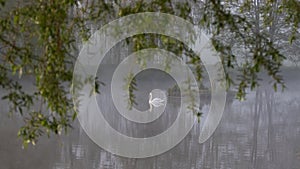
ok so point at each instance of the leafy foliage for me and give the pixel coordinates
(130, 86)
(40, 40)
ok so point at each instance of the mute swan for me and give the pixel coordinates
(156, 102)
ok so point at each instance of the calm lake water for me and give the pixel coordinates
(262, 132)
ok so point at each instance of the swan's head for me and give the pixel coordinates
(150, 95)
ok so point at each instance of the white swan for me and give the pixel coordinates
(156, 102)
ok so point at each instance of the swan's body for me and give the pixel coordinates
(156, 102)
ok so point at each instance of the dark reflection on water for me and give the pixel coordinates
(146, 81)
(262, 132)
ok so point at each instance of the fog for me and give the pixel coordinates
(261, 132)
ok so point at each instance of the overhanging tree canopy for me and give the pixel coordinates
(39, 39)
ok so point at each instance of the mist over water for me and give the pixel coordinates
(262, 132)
